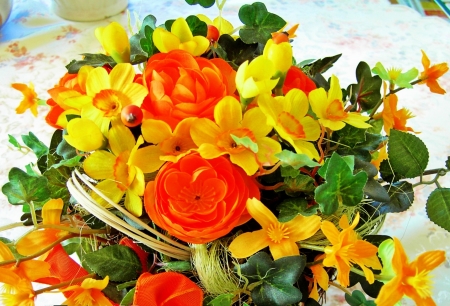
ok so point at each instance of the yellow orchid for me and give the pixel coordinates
(329, 108)
(215, 139)
(347, 248)
(114, 40)
(280, 237)
(122, 170)
(89, 293)
(255, 78)
(179, 38)
(409, 278)
(16, 290)
(430, 75)
(38, 239)
(107, 94)
(172, 145)
(84, 135)
(30, 99)
(223, 25)
(288, 116)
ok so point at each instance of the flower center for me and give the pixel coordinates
(277, 232)
(335, 111)
(176, 145)
(394, 73)
(227, 143)
(421, 282)
(291, 125)
(109, 101)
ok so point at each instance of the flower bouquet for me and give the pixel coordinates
(198, 163)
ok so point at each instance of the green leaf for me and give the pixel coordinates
(362, 150)
(290, 208)
(128, 298)
(177, 266)
(119, 262)
(275, 278)
(235, 51)
(73, 162)
(375, 191)
(12, 140)
(438, 207)
(289, 171)
(57, 179)
(225, 299)
(63, 148)
(321, 65)
(381, 71)
(112, 293)
(204, 3)
(245, 142)
(259, 24)
(298, 184)
(296, 161)
(94, 60)
(407, 154)
(404, 79)
(401, 196)
(341, 186)
(349, 136)
(146, 41)
(198, 27)
(358, 299)
(23, 188)
(38, 147)
(366, 92)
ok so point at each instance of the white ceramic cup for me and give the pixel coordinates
(88, 10)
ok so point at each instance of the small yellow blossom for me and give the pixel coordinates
(89, 293)
(30, 100)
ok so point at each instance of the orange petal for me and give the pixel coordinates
(285, 247)
(260, 213)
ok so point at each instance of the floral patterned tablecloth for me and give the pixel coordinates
(35, 45)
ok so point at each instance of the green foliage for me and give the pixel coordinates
(235, 51)
(292, 207)
(141, 43)
(341, 186)
(296, 161)
(225, 299)
(259, 24)
(119, 262)
(37, 146)
(358, 299)
(113, 293)
(12, 140)
(447, 163)
(407, 154)
(128, 298)
(401, 197)
(23, 188)
(349, 136)
(245, 142)
(438, 207)
(63, 148)
(295, 185)
(362, 149)
(198, 27)
(274, 279)
(319, 66)
(204, 3)
(366, 92)
(177, 266)
(94, 60)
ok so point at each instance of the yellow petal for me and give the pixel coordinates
(90, 283)
(255, 121)
(357, 120)
(271, 108)
(84, 135)
(180, 29)
(147, 159)
(267, 148)
(321, 276)
(241, 76)
(97, 80)
(228, 113)
(204, 18)
(335, 92)
(202, 44)
(246, 160)
(5, 252)
(155, 131)
(260, 213)
(165, 41)
(204, 131)
(120, 137)
(114, 40)
(135, 93)
(51, 211)
(247, 244)
(133, 203)
(209, 151)
(121, 75)
(330, 231)
(285, 247)
(223, 25)
(302, 228)
(100, 165)
(108, 188)
(298, 102)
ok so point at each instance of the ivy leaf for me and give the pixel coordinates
(259, 24)
(94, 60)
(236, 51)
(321, 65)
(407, 154)
(37, 146)
(12, 140)
(289, 171)
(367, 91)
(275, 279)
(204, 3)
(438, 207)
(63, 148)
(119, 262)
(363, 149)
(298, 184)
(225, 299)
(198, 27)
(245, 142)
(358, 299)
(349, 160)
(290, 208)
(23, 188)
(341, 186)
(296, 161)
(401, 196)
(56, 178)
(349, 136)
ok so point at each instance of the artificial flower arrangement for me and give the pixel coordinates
(198, 164)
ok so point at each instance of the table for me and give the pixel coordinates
(35, 45)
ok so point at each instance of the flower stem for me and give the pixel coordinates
(74, 230)
(10, 226)
(376, 276)
(340, 287)
(312, 247)
(64, 284)
(438, 172)
(33, 214)
(313, 263)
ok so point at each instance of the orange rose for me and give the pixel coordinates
(198, 200)
(296, 78)
(181, 86)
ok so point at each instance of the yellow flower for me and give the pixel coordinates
(430, 74)
(179, 38)
(280, 54)
(409, 278)
(280, 237)
(38, 239)
(329, 108)
(89, 293)
(288, 116)
(223, 25)
(214, 139)
(347, 248)
(84, 135)
(115, 41)
(122, 170)
(30, 100)
(172, 145)
(320, 276)
(16, 290)
(255, 78)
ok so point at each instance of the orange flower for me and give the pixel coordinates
(198, 200)
(30, 100)
(320, 276)
(430, 74)
(182, 86)
(411, 278)
(296, 78)
(347, 249)
(393, 118)
(16, 291)
(89, 293)
(168, 288)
